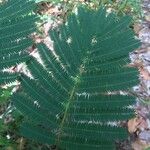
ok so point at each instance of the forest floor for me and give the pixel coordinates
(140, 126)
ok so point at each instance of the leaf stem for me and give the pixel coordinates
(66, 110)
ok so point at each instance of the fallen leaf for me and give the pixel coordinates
(54, 11)
(143, 124)
(144, 73)
(140, 145)
(147, 17)
(133, 124)
(137, 64)
(137, 28)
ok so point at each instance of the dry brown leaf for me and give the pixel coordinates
(147, 17)
(54, 11)
(140, 145)
(137, 28)
(21, 143)
(133, 124)
(137, 64)
(144, 73)
(143, 124)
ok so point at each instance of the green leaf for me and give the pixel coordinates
(66, 102)
(17, 22)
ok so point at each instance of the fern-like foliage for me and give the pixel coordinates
(17, 22)
(66, 103)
